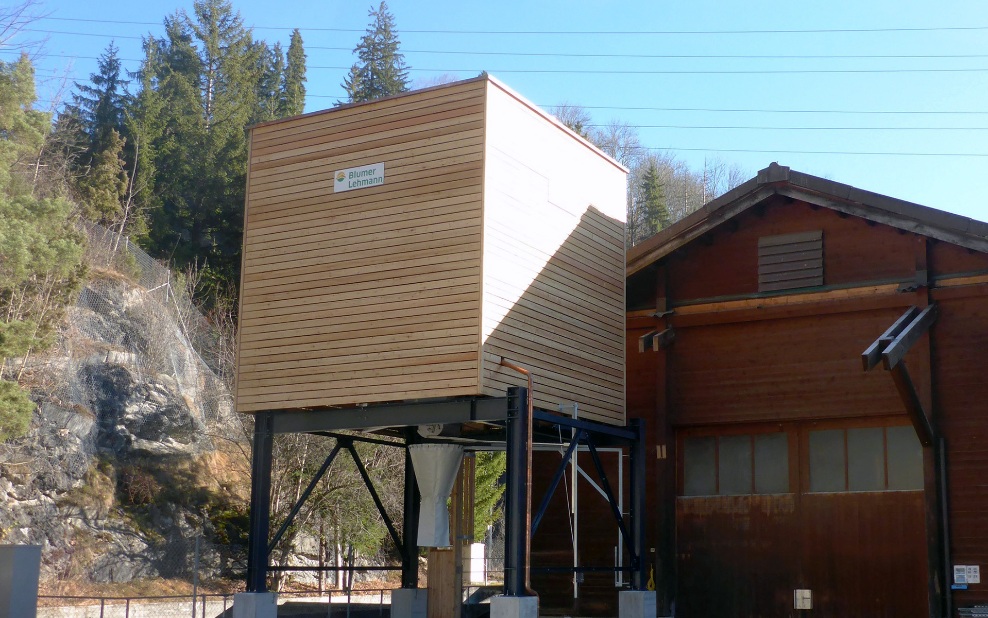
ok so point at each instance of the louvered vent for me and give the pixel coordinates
(790, 261)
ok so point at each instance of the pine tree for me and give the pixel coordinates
(176, 53)
(381, 69)
(99, 113)
(352, 86)
(293, 81)
(205, 75)
(40, 251)
(489, 486)
(145, 126)
(651, 207)
(100, 106)
(103, 190)
(228, 59)
(22, 129)
(271, 66)
(16, 409)
(174, 135)
(65, 146)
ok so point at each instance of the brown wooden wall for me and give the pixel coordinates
(735, 548)
(725, 261)
(371, 294)
(961, 386)
(785, 369)
(743, 357)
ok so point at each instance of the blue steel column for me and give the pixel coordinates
(410, 519)
(515, 500)
(639, 576)
(260, 502)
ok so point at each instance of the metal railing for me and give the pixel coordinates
(186, 606)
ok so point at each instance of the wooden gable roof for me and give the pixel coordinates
(780, 180)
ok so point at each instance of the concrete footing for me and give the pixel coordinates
(20, 566)
(255, 605)
(514, 607)
(636, 604)
(409, 603)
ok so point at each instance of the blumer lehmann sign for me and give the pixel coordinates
(358, 177)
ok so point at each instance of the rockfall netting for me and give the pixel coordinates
(134, 308)
(134, 452)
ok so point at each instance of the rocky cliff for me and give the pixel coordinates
(134, 451)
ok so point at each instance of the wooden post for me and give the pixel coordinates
(441, 574)
(662, 491)
(446, 563)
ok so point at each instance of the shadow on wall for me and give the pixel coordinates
(568, 327)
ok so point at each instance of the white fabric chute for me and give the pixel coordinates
(435, 467)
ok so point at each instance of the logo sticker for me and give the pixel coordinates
(358, 177)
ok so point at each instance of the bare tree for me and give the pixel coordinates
(573, 116)
(736, 176)
(619, 140)
(719, 177)
(13, 21)
(437, 80)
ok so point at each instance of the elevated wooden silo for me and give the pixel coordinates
(396, 250)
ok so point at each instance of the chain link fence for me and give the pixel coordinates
(494, 552)
(166, 310)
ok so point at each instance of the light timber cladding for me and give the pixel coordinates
(553, 252)
(496, 232)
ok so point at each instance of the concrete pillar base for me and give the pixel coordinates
(514, 607)
(409, 603)
(636, 604)
(255, 605)
(19, 569)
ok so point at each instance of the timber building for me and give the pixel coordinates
(780, 399)
(811, 360)
(440, 271)
(395, 249)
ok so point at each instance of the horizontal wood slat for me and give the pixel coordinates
(298, 223)
(349, 132)
(373, 294)
(357, 143)
(790, 256)
(415, 288)
(797, 264)
(330, 325)
(790, 261)
(326, 121)
(796, 273)
(790, 239)
(393, 353)
(399, 394)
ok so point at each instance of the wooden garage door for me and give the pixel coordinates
(835, 508)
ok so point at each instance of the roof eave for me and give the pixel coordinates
(780, 180)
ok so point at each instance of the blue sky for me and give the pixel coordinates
(823, 77)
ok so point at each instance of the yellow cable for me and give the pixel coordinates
(651, 579)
